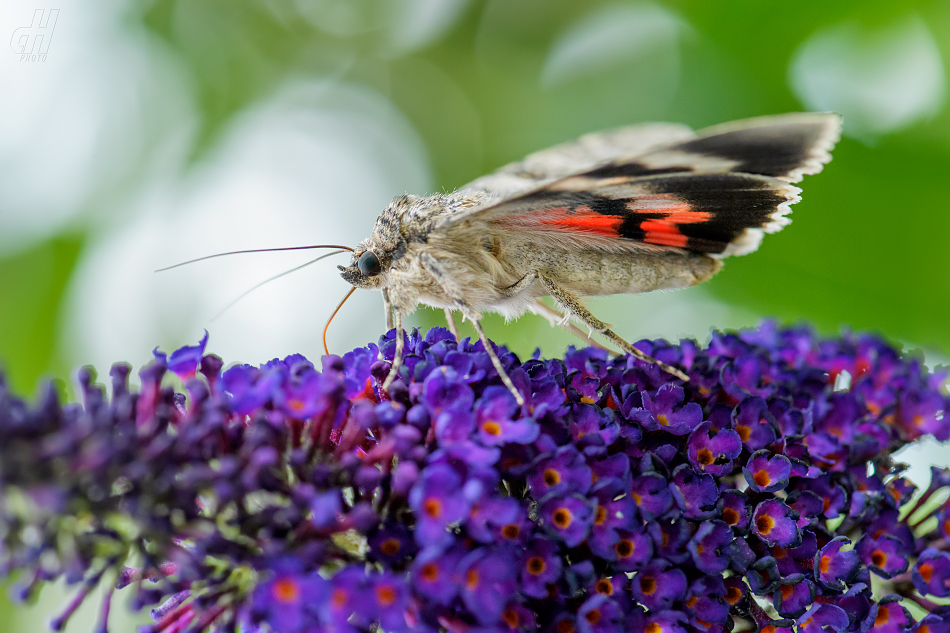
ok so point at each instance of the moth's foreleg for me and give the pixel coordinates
(571, 303)
(388, 309)
(496, 361)
(450, 320)
(556, 318)
(397, 359)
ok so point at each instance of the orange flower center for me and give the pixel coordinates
(624, 548)
(385, 594)
(430, 572)
(648, 585)
(879, 558)
(491, 428)
(605, 587)
(536, 565)
(432, 507)
(562, 518)
(286, 590)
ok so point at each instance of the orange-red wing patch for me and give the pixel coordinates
(582, 220)
(665, 231)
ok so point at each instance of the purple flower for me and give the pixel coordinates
(496, 416)
(567, 518)
(184, 361)
(302, 497)
(772, 523)
(437, 504)
(707, 547)
(657, 585)
(541, 568)
(932, 573)
(712, 450)
(835, 567)
(666, 411)
(564, 471)
(289, 600)
(766, 472)
(488, 579)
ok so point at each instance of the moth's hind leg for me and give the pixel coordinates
(571, 304)
(556, 318)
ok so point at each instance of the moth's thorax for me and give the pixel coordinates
(406, 221)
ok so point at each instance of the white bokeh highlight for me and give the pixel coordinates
(880, 79)
(613, 35)
(104, 106)
(315, 164)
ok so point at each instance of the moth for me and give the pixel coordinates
(641, 208)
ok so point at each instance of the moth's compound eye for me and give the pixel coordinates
(368, 264)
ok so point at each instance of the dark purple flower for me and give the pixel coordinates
(496, 418)
(766, 472)
(712, 450)
(666, 411)
(772, 523)
(541, 567)
(437, 504)
(289, 601)
(599, 614)
(885, 555)
(657, 586)
(695, 494)
(932, 573)
(563, 471)
(835, 567)
(707, 547)
(822, 618)
(651, 494)
(567, 518)
(434, 574)
(488, 579)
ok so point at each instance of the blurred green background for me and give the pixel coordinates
(154, 132)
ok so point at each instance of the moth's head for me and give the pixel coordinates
(366, 269)
(373, 258)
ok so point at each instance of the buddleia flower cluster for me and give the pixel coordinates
(761, 495)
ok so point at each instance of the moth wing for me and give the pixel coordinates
(583, 154)
(716, 192)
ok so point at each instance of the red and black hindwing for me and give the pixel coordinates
(713, 194)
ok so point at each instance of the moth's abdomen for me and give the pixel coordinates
(591, 272)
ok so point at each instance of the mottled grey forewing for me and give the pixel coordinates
(583, 154)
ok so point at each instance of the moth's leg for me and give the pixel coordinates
(496, 361)
(397, 359)
(388, 309)
(451, 321)
(570, 303)
(451, 288)
(556, 318)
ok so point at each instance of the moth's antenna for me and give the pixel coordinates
(270, 279)
(327, 326)
(259, 250)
